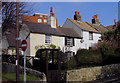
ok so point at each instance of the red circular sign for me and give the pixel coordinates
(24, 45)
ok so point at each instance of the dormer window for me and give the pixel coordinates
(39, 20)
(41, 16)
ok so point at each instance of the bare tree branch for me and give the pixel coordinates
(9, 13)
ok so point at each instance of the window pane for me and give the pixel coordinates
(47, 39)
(68, 41)
(45, 20)
(39, 20)
(90, 36)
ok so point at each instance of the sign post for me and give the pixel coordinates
(23, 47)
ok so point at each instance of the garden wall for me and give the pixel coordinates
(93, 73)
(11, 68)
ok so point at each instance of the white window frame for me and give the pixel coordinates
(45, 20)
(47, 39)
(90, 35)
(39, 20)
(69, 41)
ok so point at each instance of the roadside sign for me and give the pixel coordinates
(24, 45)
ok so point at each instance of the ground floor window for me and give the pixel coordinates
(47, 39)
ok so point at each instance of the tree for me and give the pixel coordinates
(9, 13)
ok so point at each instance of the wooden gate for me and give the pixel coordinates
(53, 65)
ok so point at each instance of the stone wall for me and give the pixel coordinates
(93, 73)
(11, 68)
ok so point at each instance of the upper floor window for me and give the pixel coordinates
(45, 20)
(69, 41)
(90, 36)
(47, 39)
(39, 20)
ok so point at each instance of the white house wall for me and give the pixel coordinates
(70, 24)
(88, 43)
(55, 40)
(36, 40)
(73, 49)
(39, 39)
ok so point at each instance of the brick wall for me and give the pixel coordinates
(33, 19)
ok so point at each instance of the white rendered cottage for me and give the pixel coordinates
(38, 34)
(91, 33)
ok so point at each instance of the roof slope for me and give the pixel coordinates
(111, 27)
(83, 26)
(40, 28)
(46, 29)
(63, 31)
(99, 28)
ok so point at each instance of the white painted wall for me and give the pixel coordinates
(39, 39)
(52, 21)
(65, 48)
(89, 43)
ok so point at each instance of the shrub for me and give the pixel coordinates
(71, 64)
(88, 57)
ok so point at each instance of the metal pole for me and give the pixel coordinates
(24, 68)
(17, 43)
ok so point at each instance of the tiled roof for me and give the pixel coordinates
(63, 31)
(99, 28)
(83, 26)
(46, 29)
(111, 27)
(40, 28)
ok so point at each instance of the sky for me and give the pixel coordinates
(106, 11)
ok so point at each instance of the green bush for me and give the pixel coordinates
(88, 57)
(12, 59)
(71, 64)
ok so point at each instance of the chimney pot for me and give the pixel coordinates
(53, 14)
(51, 9)
(76, 12)
(94, 17)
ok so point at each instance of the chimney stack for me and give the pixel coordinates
(77, 16)
(95, 19)
(52, 21)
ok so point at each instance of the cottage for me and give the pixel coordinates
(90, 32)
(38, 34)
